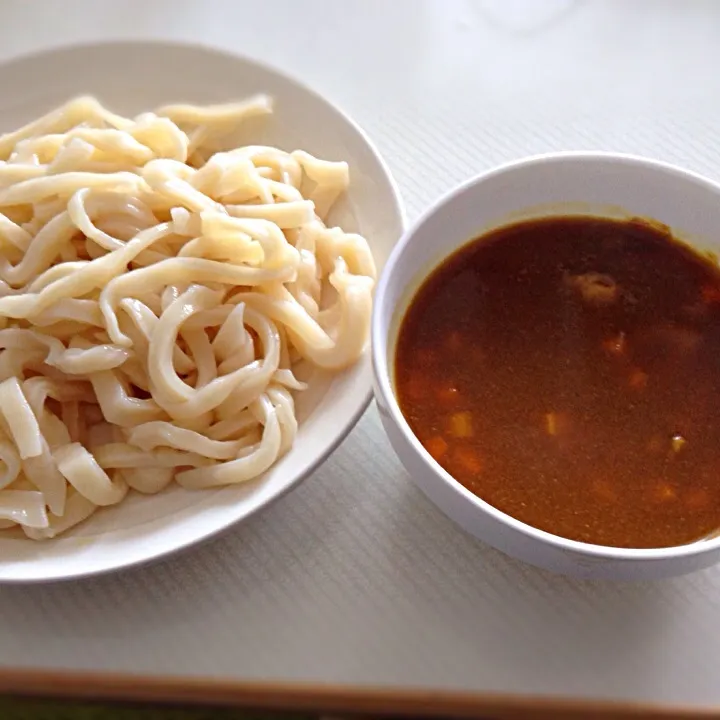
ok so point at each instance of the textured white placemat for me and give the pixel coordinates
(355, 577)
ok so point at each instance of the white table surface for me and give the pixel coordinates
(355, 577)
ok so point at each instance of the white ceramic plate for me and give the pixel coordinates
(130, 78)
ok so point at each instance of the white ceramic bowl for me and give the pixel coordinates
(600, 184)
(131, 77)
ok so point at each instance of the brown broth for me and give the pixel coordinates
(567, 371)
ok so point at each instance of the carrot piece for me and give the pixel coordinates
(604, 490)
(415, 386)
(614, 345)
(447, 395)
(697, 499)
(663, 492)
(468, 460)
(454, 340)
(436, 446)
(711, 294)
(638, 379)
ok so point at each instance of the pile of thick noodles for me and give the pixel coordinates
(155, 297)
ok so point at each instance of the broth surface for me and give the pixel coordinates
(567, 371)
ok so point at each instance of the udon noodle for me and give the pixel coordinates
(156, 296)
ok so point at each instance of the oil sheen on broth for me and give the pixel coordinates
(567, 371)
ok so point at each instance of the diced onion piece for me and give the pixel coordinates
(461, 425)
(678, 442)
(551, 423)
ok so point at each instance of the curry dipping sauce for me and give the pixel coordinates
(567, 371)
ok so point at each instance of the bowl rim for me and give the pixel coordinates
(395, 198)
(380, 335)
